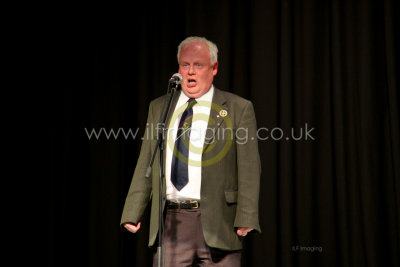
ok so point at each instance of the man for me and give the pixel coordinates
(212, 168)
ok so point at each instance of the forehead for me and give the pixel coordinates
(194, 51)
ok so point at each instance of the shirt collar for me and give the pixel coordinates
(206, 97)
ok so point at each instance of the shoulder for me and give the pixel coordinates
(159, 100)
(231, 100)
(231, 96)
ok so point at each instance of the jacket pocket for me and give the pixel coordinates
(231, 196)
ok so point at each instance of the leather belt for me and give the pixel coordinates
(186, 204)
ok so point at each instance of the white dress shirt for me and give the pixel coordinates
(201, 114)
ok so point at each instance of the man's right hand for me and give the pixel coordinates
(131, 227)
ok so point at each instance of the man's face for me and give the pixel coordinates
(196, 69)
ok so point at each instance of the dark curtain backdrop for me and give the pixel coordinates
(329, 67)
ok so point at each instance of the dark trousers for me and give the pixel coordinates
(184, 243)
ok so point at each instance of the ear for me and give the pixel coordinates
(215, 68)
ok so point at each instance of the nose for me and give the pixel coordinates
(191, 70)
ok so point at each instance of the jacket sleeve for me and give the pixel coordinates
(249, 170)
(140, 189)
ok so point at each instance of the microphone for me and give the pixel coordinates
(176, 78)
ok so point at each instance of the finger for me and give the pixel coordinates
(240, 233)
(132, 228)
(129, 227)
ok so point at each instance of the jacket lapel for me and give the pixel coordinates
(217, 113)
(172, 109)
(167, 121)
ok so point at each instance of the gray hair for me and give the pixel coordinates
(212, 48)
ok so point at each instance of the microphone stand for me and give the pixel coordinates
(172, 88)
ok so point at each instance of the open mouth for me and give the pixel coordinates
(191, 82)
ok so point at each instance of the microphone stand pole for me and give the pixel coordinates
(172, 88)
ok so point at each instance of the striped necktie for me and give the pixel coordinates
(180, 157)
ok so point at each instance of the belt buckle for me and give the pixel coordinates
(195, 202)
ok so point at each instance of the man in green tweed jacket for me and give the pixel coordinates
(211, 189)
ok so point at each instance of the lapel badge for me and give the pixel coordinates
(223, 113)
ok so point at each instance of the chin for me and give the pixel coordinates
(191, 92)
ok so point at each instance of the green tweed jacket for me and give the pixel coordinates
(230, 172)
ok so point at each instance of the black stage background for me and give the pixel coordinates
(331, 66)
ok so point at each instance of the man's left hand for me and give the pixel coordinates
(242, 231)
